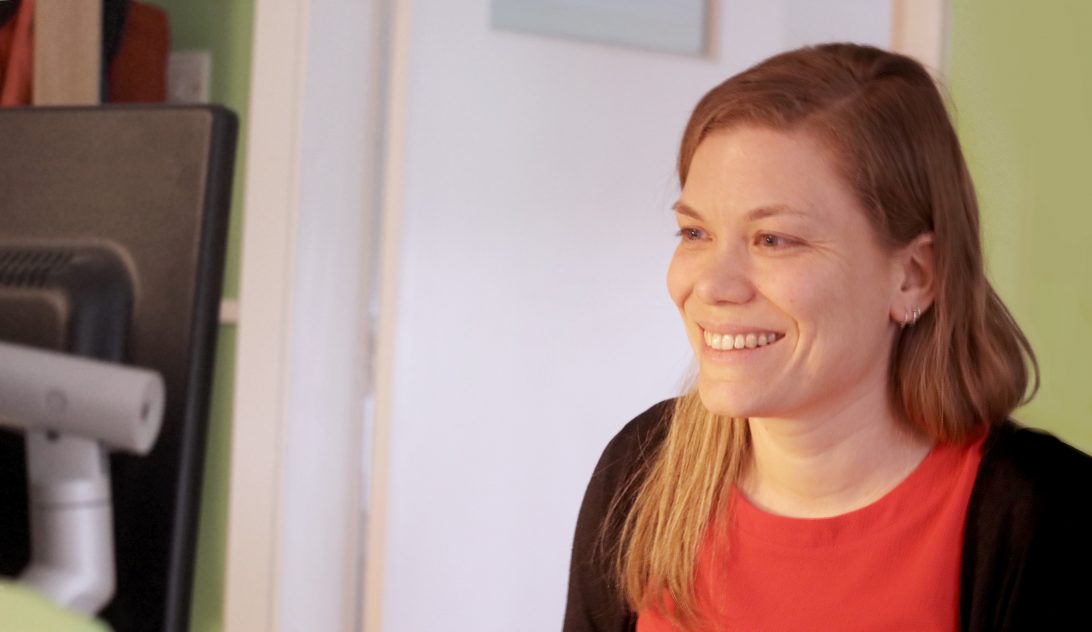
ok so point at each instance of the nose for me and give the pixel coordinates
(724, 276)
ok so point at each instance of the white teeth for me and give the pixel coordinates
(727, 342)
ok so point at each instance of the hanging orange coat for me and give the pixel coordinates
(136, 74)
(17, 56)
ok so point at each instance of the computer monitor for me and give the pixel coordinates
(148, 188)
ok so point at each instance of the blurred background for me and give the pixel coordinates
(513, 211)
(446, 275)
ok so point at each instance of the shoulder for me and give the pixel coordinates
(1033, 462)
(636, 442)
(1031, 478)
(616, 476)
(1027, 531)
(594, 600)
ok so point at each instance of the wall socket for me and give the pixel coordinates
(189, 73)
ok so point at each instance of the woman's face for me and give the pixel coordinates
(776, 256)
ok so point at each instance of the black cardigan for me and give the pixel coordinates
(1027, 548)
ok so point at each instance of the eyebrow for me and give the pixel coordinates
(752, 215)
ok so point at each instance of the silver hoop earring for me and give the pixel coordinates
(910, 317)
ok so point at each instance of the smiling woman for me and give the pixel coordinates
(845, 459)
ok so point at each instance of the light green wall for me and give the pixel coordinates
(207, 612)
(1020, 75)
(224, 28)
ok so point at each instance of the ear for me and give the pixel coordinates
(915, 270)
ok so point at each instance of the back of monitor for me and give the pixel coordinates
(152, 184)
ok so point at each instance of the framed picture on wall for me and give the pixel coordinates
(675, 26)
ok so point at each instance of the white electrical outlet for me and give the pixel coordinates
(189, 73)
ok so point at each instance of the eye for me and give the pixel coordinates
(769, 240)
(690, 233)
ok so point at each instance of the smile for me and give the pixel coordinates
(728, 342)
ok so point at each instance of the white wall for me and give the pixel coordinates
(532, 315)
(294, 535)
(319, 584)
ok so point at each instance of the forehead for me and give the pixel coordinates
(738, 170)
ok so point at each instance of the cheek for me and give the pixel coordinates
(868, 296)
(798, 291)
(814, 300)
(840, 304)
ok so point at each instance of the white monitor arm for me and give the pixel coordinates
(73, 409)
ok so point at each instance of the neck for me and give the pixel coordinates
(830, 462)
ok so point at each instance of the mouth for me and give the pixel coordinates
(741, 341)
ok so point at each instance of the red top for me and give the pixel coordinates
(892, 565)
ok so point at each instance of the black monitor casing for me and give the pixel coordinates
(153, 186)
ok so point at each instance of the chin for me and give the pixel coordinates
(722, 402)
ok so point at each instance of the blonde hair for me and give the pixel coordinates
(964, 366)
